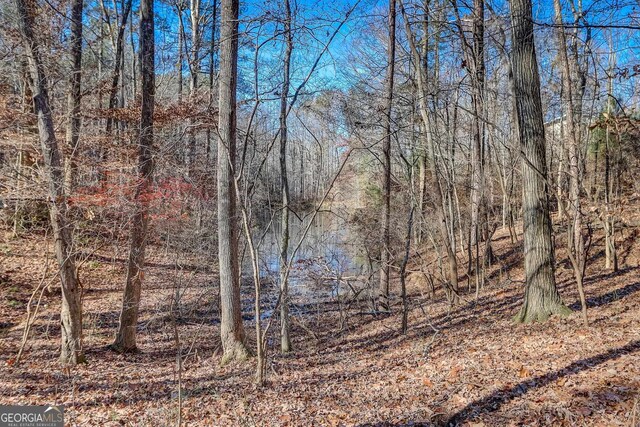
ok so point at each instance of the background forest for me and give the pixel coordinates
(298, 212)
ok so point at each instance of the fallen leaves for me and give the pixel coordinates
(503, 375)
(524, 372)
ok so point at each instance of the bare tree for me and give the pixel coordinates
(212, 66)
(541, 295)
(611, 255)
(194, 70)
(119, 63)
(231, 328)
(71, 351)
(179, 10)
(285, 340)
(479, 214)
(429, 146)
(125, 340)
(385, 250)
(74, 96)
(575, 238)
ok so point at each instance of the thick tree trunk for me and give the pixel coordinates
(71, 351)
(385, 252)
(231, 328)
(126, 336)
(285, 340)
(73, 100)
(541, 295)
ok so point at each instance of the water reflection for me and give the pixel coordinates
(328, 253)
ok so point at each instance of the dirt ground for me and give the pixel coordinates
(469, 365)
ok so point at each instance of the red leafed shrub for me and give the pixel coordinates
(106, 208)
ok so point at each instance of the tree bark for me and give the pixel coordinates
(180, 49)
(212, 70)
(575, 239)
(125, 340)
(194, 70)
(119, 62)
(385, 255)
(479, 226)
(231, 328)
(71, 352)
(611, 255)
(285, 340)
(541, 295)
(73, 100)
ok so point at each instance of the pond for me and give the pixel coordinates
(328, 257)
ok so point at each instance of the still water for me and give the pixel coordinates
(328, 253)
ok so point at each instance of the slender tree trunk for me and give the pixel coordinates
(125, 340)
(194, 68)
(71, 351)
(73, 100)
(611, 255)
(212, 69)
(423, 164)
(478, 192)
(541, 295)
(231, 328)
(575, 239)
(438, 193)
(180, 50)
(476, 71)
(119, 61)
(134, 62)
(561, 193)
(100, 60)
(385, 255)
(285, 340)
(403, 271)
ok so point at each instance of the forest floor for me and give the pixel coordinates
(469, 365)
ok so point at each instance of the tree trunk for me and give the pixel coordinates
(438, 193)
(126, 336)
(180, 49)
(285, 341)
(541, 295)
(119, 61)
(403, 271)
(575, 239)
(194, 70)
(134, 63)
(611, 255)
(385, 255)
(478, 193)
(71, 351)
(73, 101)
(212, 69)
(231, 328)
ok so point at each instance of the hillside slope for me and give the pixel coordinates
(469, 365)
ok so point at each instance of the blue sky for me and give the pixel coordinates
(324, 16)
